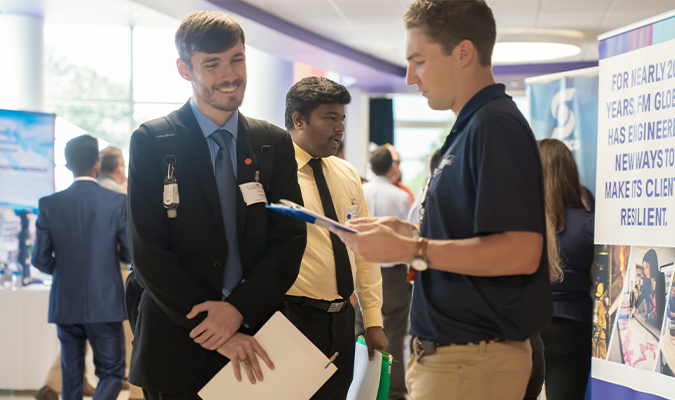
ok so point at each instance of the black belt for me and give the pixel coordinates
(323, 305)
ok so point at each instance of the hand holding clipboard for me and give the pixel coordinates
(297, 211)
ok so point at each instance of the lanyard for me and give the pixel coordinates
(449, 144)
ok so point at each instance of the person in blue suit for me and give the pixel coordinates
(81, 239)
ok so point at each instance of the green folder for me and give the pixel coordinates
(387, 360)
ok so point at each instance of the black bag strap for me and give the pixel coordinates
(265, 141)
(167, 145)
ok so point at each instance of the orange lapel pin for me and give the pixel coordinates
(248, 161)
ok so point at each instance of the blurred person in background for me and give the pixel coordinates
(385, 199)
(396, 176)
(81, 236)
(113, 176)
(113, 170)
(568, 337)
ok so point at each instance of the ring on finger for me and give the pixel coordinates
(245, 362)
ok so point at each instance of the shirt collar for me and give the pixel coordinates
(86, 178)
(477, 101)
(381, 179)
(208, 127)
(301, 156)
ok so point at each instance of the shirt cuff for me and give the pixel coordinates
(372, 317)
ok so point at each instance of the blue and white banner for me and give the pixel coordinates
(26, 157)
(564, 106)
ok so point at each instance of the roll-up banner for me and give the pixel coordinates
(634, 316)
(564, 106)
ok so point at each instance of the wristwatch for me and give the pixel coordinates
(419, 261)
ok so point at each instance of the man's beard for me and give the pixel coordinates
(233, 103)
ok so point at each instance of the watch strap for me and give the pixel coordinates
(421, 251)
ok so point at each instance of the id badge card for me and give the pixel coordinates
(253, 193)
(350, 213)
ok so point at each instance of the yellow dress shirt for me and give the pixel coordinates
(317, 271)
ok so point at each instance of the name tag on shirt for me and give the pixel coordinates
(253, 193)
(350, 213)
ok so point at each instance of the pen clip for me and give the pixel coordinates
(330, 361)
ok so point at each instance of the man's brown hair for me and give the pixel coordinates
(110, 158)
(207, 32)
(449, 22)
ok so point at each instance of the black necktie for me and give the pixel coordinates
(343, 268)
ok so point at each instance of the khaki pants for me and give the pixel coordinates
(495, 371)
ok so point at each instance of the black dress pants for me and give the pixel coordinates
(568, 358)
(330, 332)
(214, 363)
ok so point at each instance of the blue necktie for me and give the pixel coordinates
(227, 193)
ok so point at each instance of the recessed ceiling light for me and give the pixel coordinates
(524, 52)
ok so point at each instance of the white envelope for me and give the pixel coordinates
(300, 368)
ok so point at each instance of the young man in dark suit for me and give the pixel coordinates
(219, 269)
(81, 239)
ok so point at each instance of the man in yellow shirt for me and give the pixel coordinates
(318, 303)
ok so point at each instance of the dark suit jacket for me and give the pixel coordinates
(81, 239)
(179, 262)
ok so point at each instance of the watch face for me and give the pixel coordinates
(419, 264)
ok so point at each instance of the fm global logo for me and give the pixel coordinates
(564, 118)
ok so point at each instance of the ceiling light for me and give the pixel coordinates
(524, 52)
(570, 33)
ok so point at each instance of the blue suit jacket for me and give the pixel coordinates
(81, 239)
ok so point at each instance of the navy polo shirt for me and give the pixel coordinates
(488, 180)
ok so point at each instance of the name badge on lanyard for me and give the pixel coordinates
(253, 192)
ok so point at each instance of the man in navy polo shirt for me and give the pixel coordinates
(482, 286)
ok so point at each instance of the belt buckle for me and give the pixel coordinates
(335, 307)
(423, 347)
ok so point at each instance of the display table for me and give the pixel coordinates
(28, 344)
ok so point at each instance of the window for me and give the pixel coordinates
(418, 132)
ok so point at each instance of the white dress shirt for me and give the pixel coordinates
(386, 200)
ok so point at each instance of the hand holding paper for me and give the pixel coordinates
(244, 347)
(375, 339)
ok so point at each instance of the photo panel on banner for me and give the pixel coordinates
(637, 329)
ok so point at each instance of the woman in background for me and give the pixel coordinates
(568, 337)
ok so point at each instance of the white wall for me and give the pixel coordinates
(269, 79)
(21, 46)
(357, 133)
